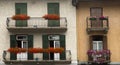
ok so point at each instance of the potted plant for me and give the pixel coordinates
(20, 17)
(51, 17)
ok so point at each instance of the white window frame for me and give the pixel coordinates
(97, 45)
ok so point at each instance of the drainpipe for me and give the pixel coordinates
(74, 2)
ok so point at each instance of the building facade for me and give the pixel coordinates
(98, 28)
(37, 32)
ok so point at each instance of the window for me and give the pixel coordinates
(97, 45)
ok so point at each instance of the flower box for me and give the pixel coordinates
(103, 18)
(51, 17)
(20, 17)
(93, 18)
(56, 50)
(17, 50)
(35, 50)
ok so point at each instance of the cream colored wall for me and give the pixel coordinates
(38, 8)
(111, 9)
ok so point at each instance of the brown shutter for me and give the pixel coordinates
(96, 11)
(104, 42)
(90, 41)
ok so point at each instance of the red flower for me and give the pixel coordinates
(20, 17)
(51, 17)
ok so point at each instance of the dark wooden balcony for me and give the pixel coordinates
(97, 25)
(98, 57)
(37, 24)
(37, 60)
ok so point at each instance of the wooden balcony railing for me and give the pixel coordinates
(95, 24)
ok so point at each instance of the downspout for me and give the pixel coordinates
(75, 3)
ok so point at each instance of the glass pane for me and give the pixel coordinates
(100, 45)
(94, 45)
(57, 44)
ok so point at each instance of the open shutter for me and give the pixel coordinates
(45, 46)
(12, 45)
(30, 45)
(53, 8)
(21, 8)
(104, 42)
(91, 42)
(62, 44)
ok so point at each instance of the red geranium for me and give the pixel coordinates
(51, 17)
(20, 17)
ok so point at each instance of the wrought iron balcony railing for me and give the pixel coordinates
(97, 24)
(37, 58)
(98, 57)
(37, 23)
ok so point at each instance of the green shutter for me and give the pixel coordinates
(45, 46)
(12, 45)
(30, 45)
(53, 8)
(62, 44)
(21, 8)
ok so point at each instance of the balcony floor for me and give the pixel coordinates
(28, 29)
(34, 62)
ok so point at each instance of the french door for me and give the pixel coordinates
(22, 44)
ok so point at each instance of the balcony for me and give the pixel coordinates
(37, 24)
(37, 59)
(97, 25)
(98, 57)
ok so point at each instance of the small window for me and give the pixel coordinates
(21, 37)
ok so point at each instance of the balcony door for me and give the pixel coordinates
(97, 12)
(21, 8)
(53, 8)
(22, 43)
(54, 42)
(98, 42)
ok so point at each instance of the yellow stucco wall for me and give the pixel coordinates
(111, 9)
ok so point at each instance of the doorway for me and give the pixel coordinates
(22, 43)
(54, 42)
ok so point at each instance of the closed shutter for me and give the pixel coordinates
(45, 46)
(30, 45)
(12, 45)
(62, 44)
(104, 42)
(96, 11)
(53, 8)
(21, 8)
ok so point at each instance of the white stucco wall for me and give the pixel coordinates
(38, 8)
